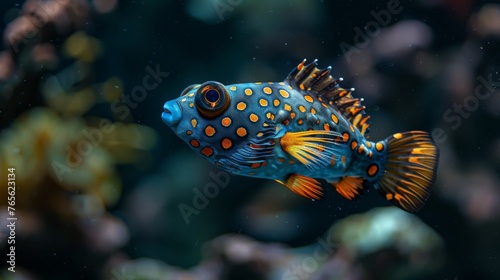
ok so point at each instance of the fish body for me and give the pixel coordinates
(299, 131)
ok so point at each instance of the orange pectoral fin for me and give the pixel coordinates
(304, 186)
(312, 148)
(349, 187)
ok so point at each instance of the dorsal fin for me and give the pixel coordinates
(308, 78)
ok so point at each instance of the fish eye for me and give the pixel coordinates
(212, 99)
(212, 95)
(189, 88)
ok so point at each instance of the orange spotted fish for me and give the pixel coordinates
(300, 131)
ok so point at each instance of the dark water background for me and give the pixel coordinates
(100, 183)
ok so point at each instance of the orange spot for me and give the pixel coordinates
(253, 117)
(388, 196)
(370, 154)
(308, 98)
(226, 143)
(292, 115)
(286, 122)
(354, 144)
(300, 122)
(372, 170)
(302, 87)
(326, 127)
(398, 135)
(189, 132)
(194, 122)
(267, 90)
(324, 105)
(248, 91)
(345, 136)
(241, 106)
(342, 159)
(333, 160)
(226, 121)
(233, 88)
(194, 143)
(260, 134)
(276, 102)
(191, 104)
(207, 151)
(291, 162)
(263, 102)
(241, 132)
(255, 165)
(361, 149)
(302, 108)
(335, 119)
(270, 116)
(287, 107)
(379, 146)
(209, 131)
(284, 93)
(313, 111)
(369, 144)
(281, 159)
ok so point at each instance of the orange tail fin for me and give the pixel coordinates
(410, 170)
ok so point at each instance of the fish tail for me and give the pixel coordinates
(410, 169)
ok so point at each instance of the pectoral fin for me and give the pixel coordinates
(313, 148)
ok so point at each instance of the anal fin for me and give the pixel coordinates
(349, 187)
(304, 186)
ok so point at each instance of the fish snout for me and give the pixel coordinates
(172, 113)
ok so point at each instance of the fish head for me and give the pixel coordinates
(203, 118)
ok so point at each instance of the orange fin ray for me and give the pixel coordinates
(305, 186)
(410, 170)
(349, 187)
(313, 148)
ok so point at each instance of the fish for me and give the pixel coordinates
(307, 133)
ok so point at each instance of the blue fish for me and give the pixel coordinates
(299, 132)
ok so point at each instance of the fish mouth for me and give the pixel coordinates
(172, 113)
